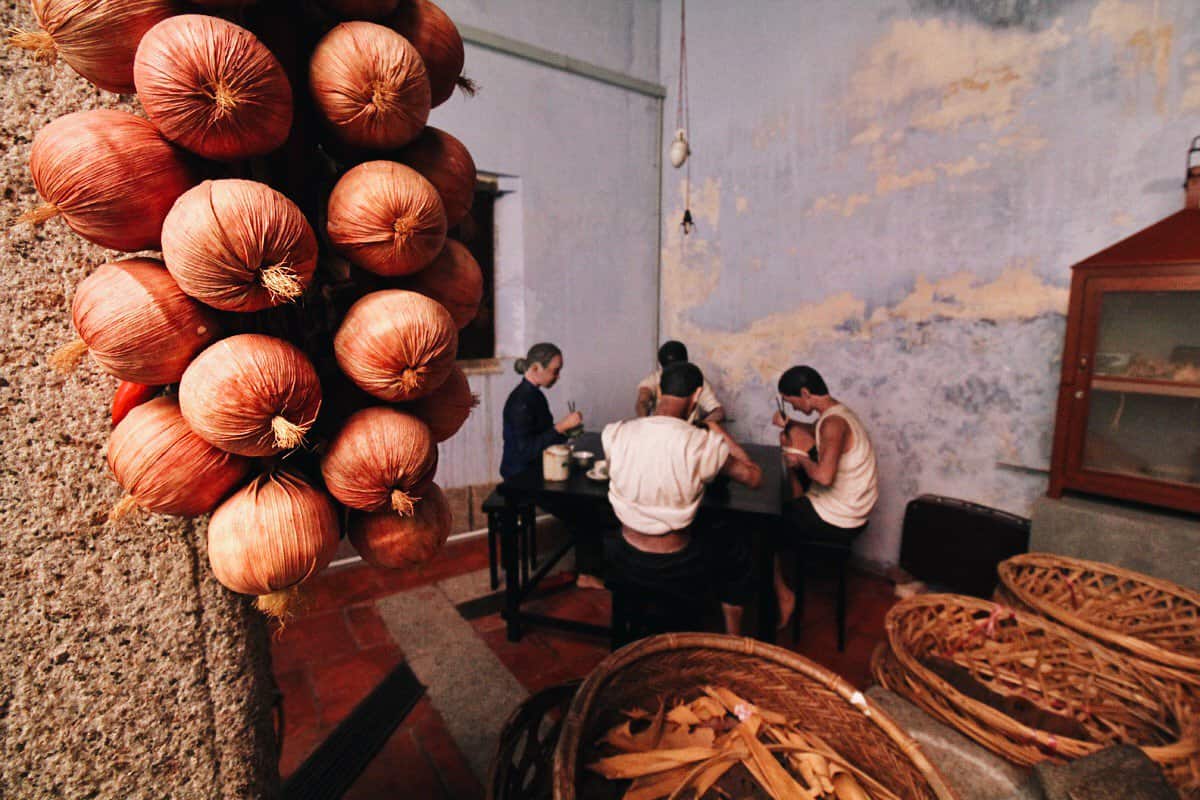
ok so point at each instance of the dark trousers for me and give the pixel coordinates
(587, 525)
(715, 564)
(806, 526)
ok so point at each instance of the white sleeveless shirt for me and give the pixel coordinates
(848, 501)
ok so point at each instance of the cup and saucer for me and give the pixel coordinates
(599, 471)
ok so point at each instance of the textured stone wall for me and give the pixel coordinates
(894, 191)
(126, 670)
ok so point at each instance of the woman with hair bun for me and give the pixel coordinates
(529, 428)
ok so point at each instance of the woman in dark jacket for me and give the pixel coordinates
(529, 428)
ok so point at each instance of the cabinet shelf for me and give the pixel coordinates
(1107, 383)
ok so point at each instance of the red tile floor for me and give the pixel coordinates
(329, 659)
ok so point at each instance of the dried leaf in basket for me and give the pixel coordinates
(766, 770)
(683, 715)
(685, 752)
(635, 765)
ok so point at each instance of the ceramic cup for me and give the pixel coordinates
(556, 460)
(600, 469)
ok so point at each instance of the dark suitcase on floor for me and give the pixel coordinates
(956, 545)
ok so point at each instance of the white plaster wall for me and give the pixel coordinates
(581, 271)
(893, 192)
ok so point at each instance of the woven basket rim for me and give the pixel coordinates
(1011, 727)
(1138, 646)
(573, 727)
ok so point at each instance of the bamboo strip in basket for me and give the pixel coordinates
(678, 665)
(1154, 619)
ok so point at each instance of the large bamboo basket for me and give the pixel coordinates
(888, 673)
(1154, 619)
(1025, 657)
(678, 665)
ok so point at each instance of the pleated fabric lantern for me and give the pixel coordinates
(239, 246)
(455, 280)
(137, 323)
(387, 540)
(110, 175)
(272, 535)
(370, 84)
(97, 39)
(251, 394)
(212, 87)
(436, 38)
(446, 409)
(386, 218)
(446, 163)
(396, 345)
(166, 468)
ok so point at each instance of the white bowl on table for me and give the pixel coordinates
(583, 459)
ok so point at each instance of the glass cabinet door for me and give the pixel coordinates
(1143, 415)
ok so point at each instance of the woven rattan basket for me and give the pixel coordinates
(890, 675)
(1156, 620)
(679, 665)
(1053, 673)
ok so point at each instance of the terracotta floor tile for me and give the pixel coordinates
(492, 622)
(553, 676)
(577, 652)
(429, 730)
(298, 745)
(341, 587)
(312, 639)
(299, 702)
(423, 715)
(366, 626)
(340, 685)
(456, 559)
(571, 604)
(526, 659)
(400, 770)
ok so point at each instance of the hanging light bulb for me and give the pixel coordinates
(679, 150)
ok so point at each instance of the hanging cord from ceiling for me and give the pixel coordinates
(683, 123)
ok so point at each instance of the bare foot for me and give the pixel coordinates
(787, 606)
(585, 581)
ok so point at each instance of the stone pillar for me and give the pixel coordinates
(1163, 543)
(126, 670)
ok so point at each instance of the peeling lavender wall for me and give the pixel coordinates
(893, 192)
(577, 240)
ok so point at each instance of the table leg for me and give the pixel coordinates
(493, 551)
(764, 570)
(510, 551)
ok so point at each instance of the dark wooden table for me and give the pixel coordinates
(756, 511)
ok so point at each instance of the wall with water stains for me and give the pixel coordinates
(894, 191)
(577, 232)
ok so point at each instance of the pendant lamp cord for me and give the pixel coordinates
(683, 117)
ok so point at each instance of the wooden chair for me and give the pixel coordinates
(836, 551)
(495, 508)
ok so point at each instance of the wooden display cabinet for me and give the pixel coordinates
(1128, 423)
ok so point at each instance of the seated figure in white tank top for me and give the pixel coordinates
(835, 488)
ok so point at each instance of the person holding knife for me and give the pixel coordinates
(835, 457)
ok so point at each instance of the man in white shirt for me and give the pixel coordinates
(708, 407)
(843, 476)
(659, 466)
